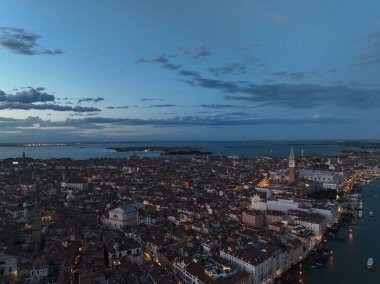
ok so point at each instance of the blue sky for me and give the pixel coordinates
(185, 70)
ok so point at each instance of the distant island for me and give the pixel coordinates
(165, 151)
(38, 144)
(185, 153)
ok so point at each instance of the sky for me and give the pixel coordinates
(120, 70)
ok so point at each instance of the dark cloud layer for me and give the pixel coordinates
(119, 107)
(26, 106)
(22, 42)
(27, 96)
(207, 120)
(285, 95)
(37, 99)
(95, 100)
(99, 123)
(150, 99)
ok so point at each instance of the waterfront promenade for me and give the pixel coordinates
(348, 264)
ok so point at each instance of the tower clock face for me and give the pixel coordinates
(291, 164)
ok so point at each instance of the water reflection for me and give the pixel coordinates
(300, 280)
(350, 237)
(331, 261)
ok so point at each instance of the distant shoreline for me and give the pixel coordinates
(154, 145)
(22, 145)
(164, 150)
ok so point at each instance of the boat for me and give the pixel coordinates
(316, 263)
(370, 213)
(370, 263)
(360, 214)
(360, 205)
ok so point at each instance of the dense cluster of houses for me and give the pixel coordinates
(163, 220)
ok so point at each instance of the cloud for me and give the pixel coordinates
(188, 73)
(207, 120)
(27, 96)
(95, 100)
(198, 52)
(177, 121)
(219, 106)
(235, 68)
(97, 127)
(300, 95)
(291, 96)
(55, 107)
(160, 59)
(166, 63)
(119, 107)
(150, 99)
(163, 105)
(333, 69)
(36, 99)
(22, 42)
(372, 55)
(293, 75)
(239, 113)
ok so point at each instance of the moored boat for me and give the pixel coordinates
(370, 214)
(370, 263)
(360, 205)
(360, 214)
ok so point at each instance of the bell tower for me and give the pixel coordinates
(292, 167)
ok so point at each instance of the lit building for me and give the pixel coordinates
(326, 179)
(311, 221)
(253, 218)
(18, 213)
(8, 265)
(39, 271)
(327, 210)
(208, 270)
(263, 263)
(120, 247)
(283, 175)
(75, 185)
(124, 215)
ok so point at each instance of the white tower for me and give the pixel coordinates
(292, 167)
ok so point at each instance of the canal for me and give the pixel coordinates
(348, 263)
